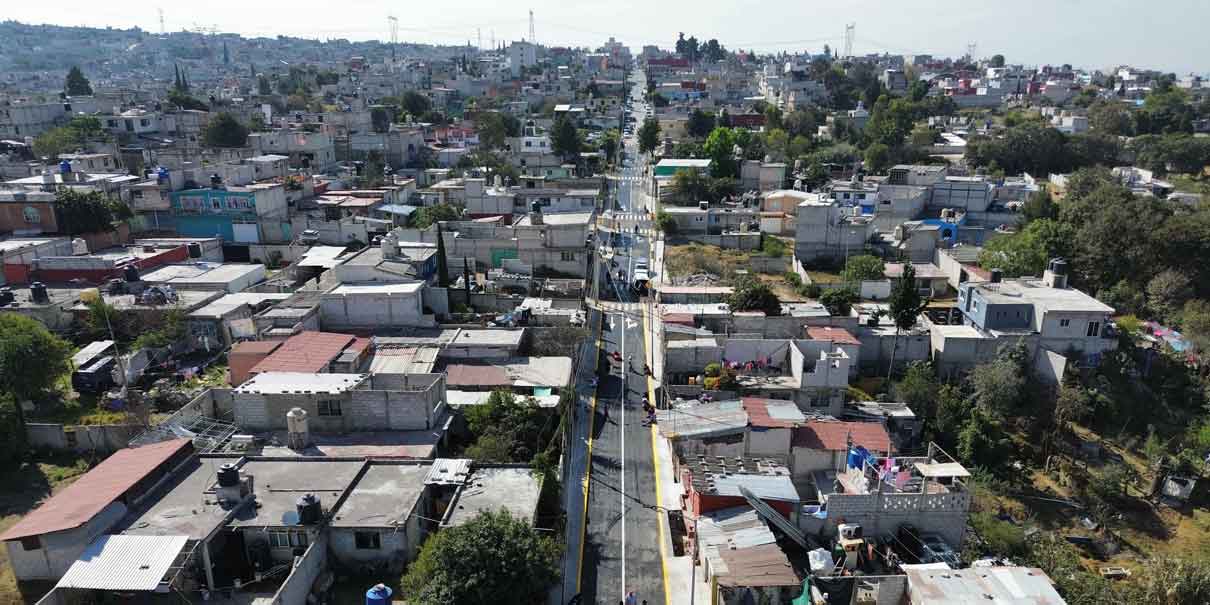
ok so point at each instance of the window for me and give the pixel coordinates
(1063, 323)
(329, 407)
(32, 215)
(31, 543)
(287, 539)
(368, 540)
(1094, 328)
(567, 256)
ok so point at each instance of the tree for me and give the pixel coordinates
(751, 294)
(263, 87)
(76, 84)
(415, 104)
(1039, 205)
(997, 386)
(877, 158)
(565, 139)
(610, 144)
(720, 148)
(863, 267)
(997, 61)
(443, 270)
(665, 223)
(88, 212)
(380, 119)
(918, 388)
(1167, 294)
(1171, 581)
(699, 124)
(1111, 118)
(494, 128)
(31, 361)
(906, 305)
(1195, 324)
(225, 131)
(1027, 252)
(981, 442)
(184, 101)
(494, 558)
(428, 215)
(70, 137)
(649, 135)
(839, 301)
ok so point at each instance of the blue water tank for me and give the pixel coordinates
(64, 167)
(379, 595)
(161, 174)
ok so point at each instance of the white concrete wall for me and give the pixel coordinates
(297, 586)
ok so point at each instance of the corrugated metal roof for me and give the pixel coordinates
(703, 420)
(833, 436)
(472, 375)
(124, 563)
(765, 487)
(448, 471)
(91, 493)
(982, 585)
(773, 413)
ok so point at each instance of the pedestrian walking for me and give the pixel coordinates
(631, 599)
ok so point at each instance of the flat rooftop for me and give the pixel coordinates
(231, 302)
(558, 218)
(384, 496)
(515, 489)
(279, 483)
(282, 383)
(376, 288)
(202, 273)
(187, 506)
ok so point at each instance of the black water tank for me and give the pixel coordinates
(308, 510)
(195, 249)
(130, 273)
(216, 181)
(6, 296)
(228, 475)
(38, 293)
(997, 276)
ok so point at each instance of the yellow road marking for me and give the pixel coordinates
(592, 418)
(655, 460)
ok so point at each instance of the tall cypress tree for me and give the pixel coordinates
(176, 82)
(443, 270)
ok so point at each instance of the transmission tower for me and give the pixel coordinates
(970, 51)
(533, 39)
(393, 24)
(850, 32)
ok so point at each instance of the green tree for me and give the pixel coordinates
(494, 128)
(428, 215)
(69, 137)
(88, 212)
(443, 270)
(699, 124)
(76, 84)
(997, 386)
(863, 267)
(981, 442)
(263, 87)
(839, 301)
(565, 139)
(720, 148)
(415, 104)
(494, 558)
(380, 119)
(918, 388)
(751, 294)
(1167, 294)
(690, 185)
(225, 131)
(906, 306)
(877, 158)
(1195, 324)
(1027, 252)
(1170, 581)
(1039, 205)
(610, 144)
(649, 135)
(997, 61)
(665, 223)
(1111, 118)
(31, 361)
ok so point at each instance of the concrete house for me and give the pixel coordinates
(341, 403)
(45, 543)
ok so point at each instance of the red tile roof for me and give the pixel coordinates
(832, 435)
(306, 352)
(476, 375)
(837, 335)
(758, 414)
(90, 494)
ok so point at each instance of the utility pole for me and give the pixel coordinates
(162, 32)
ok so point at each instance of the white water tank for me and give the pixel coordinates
(79, 247)
(296, 428)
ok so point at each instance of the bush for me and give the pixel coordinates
(812, 291)
(772, 246)
(713, 369)
(664, 222)
(793, 279)
(839, 301)
(863, 268)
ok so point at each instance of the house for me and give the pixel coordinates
(207, 276)
(538, 377)
(249, 214)
(370, 304)
(931, 281)
(44, 543)
(28, 212)
(742, 559)
(17, 254)
(824, 229)
(716, 483)
(218, 324)
(1045, 315)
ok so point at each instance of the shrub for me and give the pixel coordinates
(793, 279)
(713, 369)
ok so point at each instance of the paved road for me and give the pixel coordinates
(621, 542)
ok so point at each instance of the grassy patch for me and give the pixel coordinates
(83, 410)
(692, 259)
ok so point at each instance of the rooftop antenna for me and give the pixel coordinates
(533, 39)
(850, 31)
(393, 23)
(161, 10)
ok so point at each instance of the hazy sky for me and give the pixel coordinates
(1162, 34)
